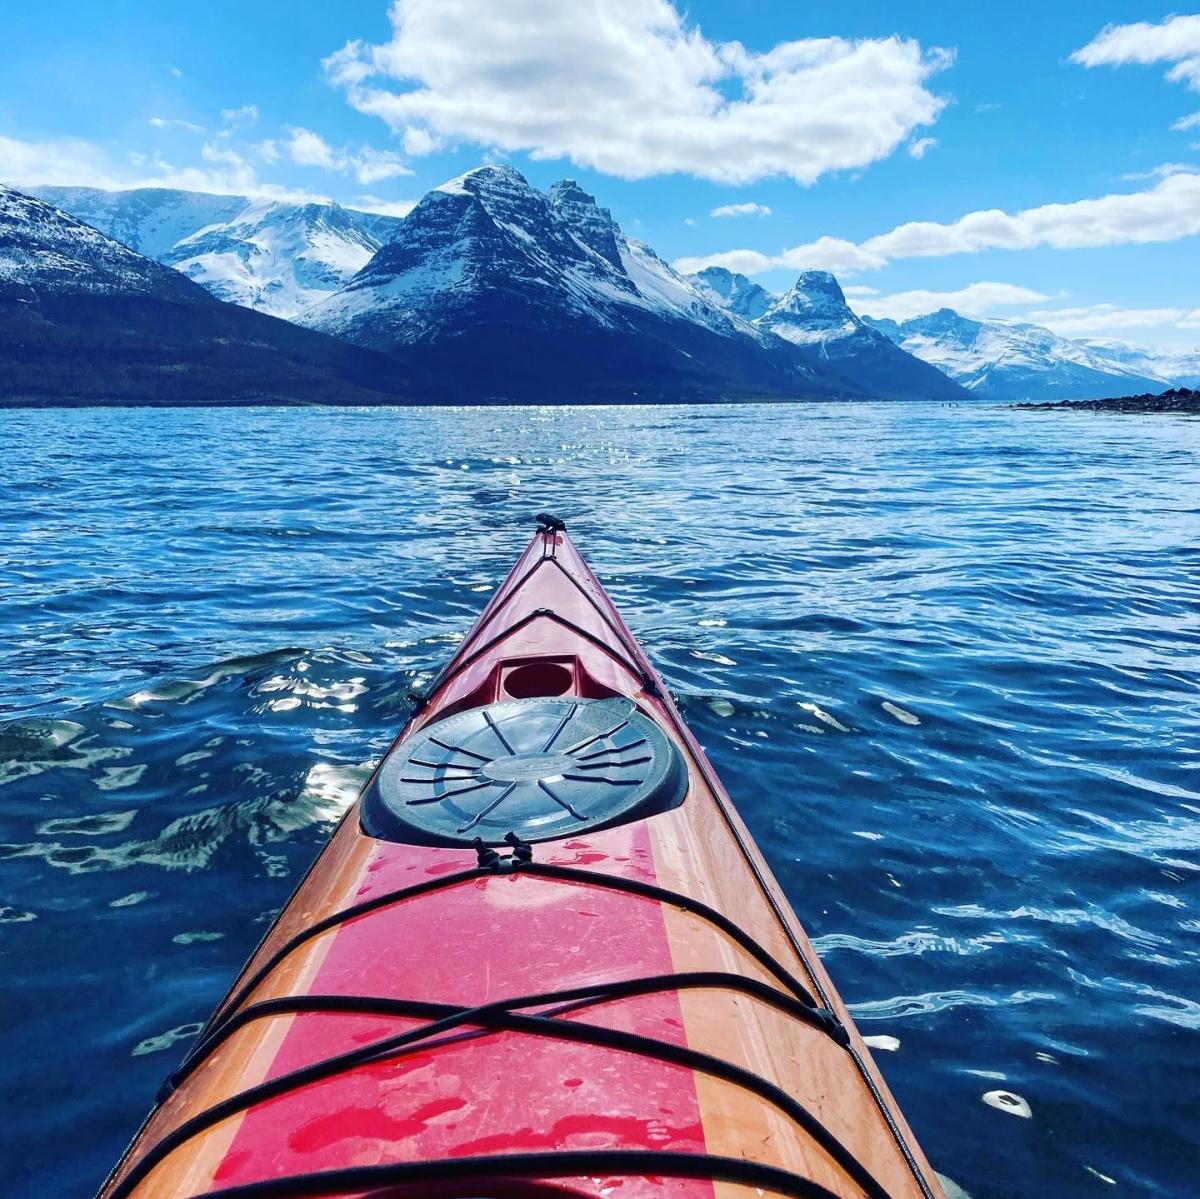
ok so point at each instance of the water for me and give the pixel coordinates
(945, 659)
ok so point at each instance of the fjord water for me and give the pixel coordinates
(944, 658)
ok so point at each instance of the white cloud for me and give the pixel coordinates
(268, 150)
(1098, 320)
(857, 291)
(63, 161)
(1175, 40)
(632, 88)
(240, 118)
(309, 149)
(383, 207)
(1162, 171)
(1165, 212)
(976, 299)
(750, 208)
(73, 162)
(1186, 123)
(175, 123)
(921, 146)
(223, 154)
(419, 142)
(370, 166)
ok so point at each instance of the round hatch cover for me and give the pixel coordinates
(540, 768)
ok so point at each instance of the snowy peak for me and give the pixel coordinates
(44, 251)
(945, 323)
(815, 296)
(733, 292)
(815, 310)
(271, 255)
(593, 225)
(1011, 360)
(491, 276)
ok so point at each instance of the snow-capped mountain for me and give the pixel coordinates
(814, 317)
(276, 257)
(44, 251)
(735, 293)
(85, 319)
(1179, 367)
(1008, 360)
(516, 293)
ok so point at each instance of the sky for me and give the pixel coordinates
(1034, 161)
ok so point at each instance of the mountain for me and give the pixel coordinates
(814, 316)
(85, 319)
(1179, 367)
(735, 293)
(506, 292)
(1008, 360)
(275, 257)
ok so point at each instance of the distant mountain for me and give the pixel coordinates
(85, 319)
(1008, 360)
(1179, 367)
(504, 291)
(735, 293)
(276, 257)
(814, 317)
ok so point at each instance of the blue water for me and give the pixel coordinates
(945, 659)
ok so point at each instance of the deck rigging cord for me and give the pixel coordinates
(502, 1015)
(448, 1023)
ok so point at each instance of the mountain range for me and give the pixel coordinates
(488, 290)
(1010, 360)
(993, 359)
(277, 257)
(501, 290)
(85, 319)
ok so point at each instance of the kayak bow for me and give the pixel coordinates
(540, 956)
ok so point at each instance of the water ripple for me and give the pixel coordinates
(946, 661)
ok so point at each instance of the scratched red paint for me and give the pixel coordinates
(502, 1092)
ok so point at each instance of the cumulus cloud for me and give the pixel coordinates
(632, 88)
(381, 207)
(750, 208)
(1165, 212)
(921, 146)
(240, 118)
(1098, 320)
(1175, 40)
(73, 162)
(976, 299)
(1186, 123)
(175, 123)
(308, 149)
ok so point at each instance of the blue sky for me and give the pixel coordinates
(915, 112)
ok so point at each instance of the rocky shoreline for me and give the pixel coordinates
(1177, 400)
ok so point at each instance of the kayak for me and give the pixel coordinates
(541, 955)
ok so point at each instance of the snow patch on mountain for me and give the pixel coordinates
(276, 257)
(735, 293)
(1012, 360)
(1181, 367)
(46, 251)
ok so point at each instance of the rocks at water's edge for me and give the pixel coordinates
(1176, 400)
